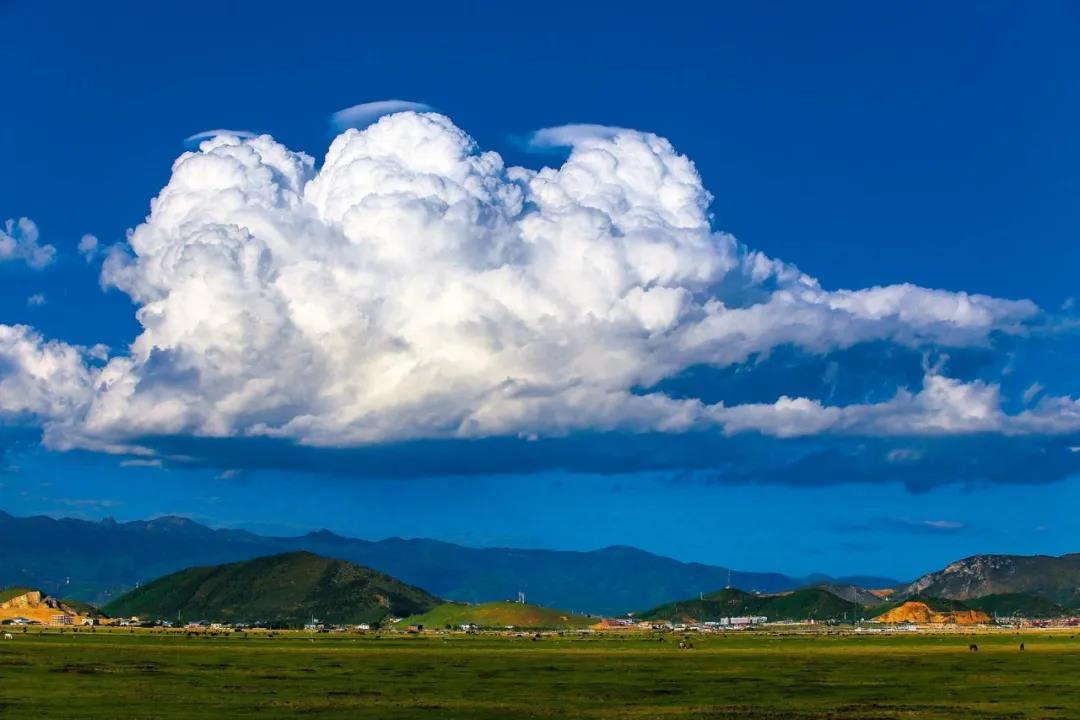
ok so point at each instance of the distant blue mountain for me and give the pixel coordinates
(98, 561)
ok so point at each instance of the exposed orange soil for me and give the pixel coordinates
(35, 606)
(921, 614)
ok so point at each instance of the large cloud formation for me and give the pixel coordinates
(413, 286)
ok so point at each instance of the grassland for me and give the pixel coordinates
(488, 677)
(499, 615)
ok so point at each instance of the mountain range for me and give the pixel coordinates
(98, 561)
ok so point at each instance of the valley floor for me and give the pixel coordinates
(487, 677)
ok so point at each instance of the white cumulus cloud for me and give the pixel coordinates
(39, 378)
(414, 286)
(19, 241)
(944, 406)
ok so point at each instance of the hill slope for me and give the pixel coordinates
(1054, 578)
(22, 602)
(856, 594)
(931, 611)
(804, 604)
(96, 561)
(499, 615)
(1019, 604)
(290, 588)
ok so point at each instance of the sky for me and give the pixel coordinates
(713, 282)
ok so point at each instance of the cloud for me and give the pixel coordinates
(39, 378)
(362, 115)
(1032, 391)
(944, 406)
(89, 247)
(219, 132)
(565, 136)
(19, 241)
(35, 300)
(413, 287)
(141, 462)
(903, 455)
(91, 503)
(903, 526)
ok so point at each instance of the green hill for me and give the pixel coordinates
(290, 588)
(499, 615)
(1022, 604)
(805, 604)
(82, 608)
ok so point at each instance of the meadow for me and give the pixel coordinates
(111, 674)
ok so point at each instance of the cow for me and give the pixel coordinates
(973, 648)
(9, 636)
(1021, 647)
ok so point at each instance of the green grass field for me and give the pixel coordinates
(498, 615)
(748, 675)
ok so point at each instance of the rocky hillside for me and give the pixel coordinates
(1054, 578)
(858, 595)
(290, 589)
(21, 602)
(929, 612)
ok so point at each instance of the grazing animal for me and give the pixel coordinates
(973, 648)
(9, 636)
(1021, 647)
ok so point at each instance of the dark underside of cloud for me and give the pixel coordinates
(918, 464)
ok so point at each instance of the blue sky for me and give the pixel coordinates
(868, 146)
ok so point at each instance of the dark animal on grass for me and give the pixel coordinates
(973, 648)
(1021, 647)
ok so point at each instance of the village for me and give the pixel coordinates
(30, 609)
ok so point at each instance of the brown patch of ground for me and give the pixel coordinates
(921, 614)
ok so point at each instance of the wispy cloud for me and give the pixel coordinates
(563, 136)
(207, 134)
(139, 462)
(92, 503)
(902, 526)
(36, 300)
(362, 115)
